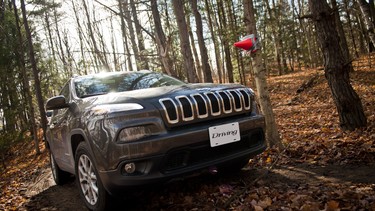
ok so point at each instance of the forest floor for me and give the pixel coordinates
(321, 168)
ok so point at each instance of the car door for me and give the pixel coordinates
(59, 131)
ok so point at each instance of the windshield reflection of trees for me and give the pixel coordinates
(124, 82)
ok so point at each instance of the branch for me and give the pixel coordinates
(308, 16)
(117, 13)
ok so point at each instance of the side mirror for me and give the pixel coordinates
(57, 102)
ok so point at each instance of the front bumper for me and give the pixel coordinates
(184, 151)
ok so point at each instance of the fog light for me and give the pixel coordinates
(129, 168)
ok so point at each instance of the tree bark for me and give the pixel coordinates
(131, 33)
(196, 59)
(225, 34)
(124, 35)
(38, 90)
(143, 63)
(366, 15)
(336, 69)
(178, 9)
(95, 47)
(161, 41)
(351, 33)
(25, 81)
(215, 41)
(272, 134)
(341, 33)
(81, 38)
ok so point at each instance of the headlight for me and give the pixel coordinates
(135, 133)
(109, 108)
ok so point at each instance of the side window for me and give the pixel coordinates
(65, 92)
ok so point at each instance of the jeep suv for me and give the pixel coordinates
(118, 130)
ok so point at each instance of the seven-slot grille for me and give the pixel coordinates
(186, 108)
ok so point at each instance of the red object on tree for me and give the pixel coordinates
(248, 43)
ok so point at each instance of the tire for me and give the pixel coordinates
(61, 177)
(89, 184)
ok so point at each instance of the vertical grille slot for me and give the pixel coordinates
(170, 110)
(225, 101)
(237, 104)
(186, 108)
(200, 105)
(246, 99)
(214, 102)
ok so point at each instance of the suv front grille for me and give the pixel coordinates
(186, 108)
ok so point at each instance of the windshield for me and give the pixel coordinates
(92, 85)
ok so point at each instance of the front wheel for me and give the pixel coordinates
(89, 183)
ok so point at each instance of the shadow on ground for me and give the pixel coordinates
(165, 196)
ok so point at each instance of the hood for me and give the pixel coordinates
(154, 94)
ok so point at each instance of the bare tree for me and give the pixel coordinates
(124, 35)
(132, 36)
(341, 33)
(272, 134)
(38, 90)
(336, 69)
(215, 42)
(366, 15)
(25, 83)
(161, 41)
(202, 46)
(225, 34)
(100, 55)
(178, 9)
(143, 63)
(196, 59)
(81, 36)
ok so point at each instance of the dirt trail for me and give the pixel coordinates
(291, 186)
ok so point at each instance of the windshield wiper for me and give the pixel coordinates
(93, 94)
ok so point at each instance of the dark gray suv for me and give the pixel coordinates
(118, 130)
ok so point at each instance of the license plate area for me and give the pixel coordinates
(224, 134)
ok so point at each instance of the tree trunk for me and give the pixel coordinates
(50, 41)
(305, 33)
(116, 65)
(62, 52)
(38, 90)
(178, 9)
(81, 38)
(225, 34)
(131, 33)
(215, 41)
(25, 81)
(364, 39)
(161, 41)
(366, 15)
(341, 33)
(275, 36)
(351, 33)
(91, 34)
(196, 59)
(143, 63)
(272, 134)
(124, 35)
(207, 77)
(347, 102)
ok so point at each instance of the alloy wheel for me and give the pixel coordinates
(88, 179)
